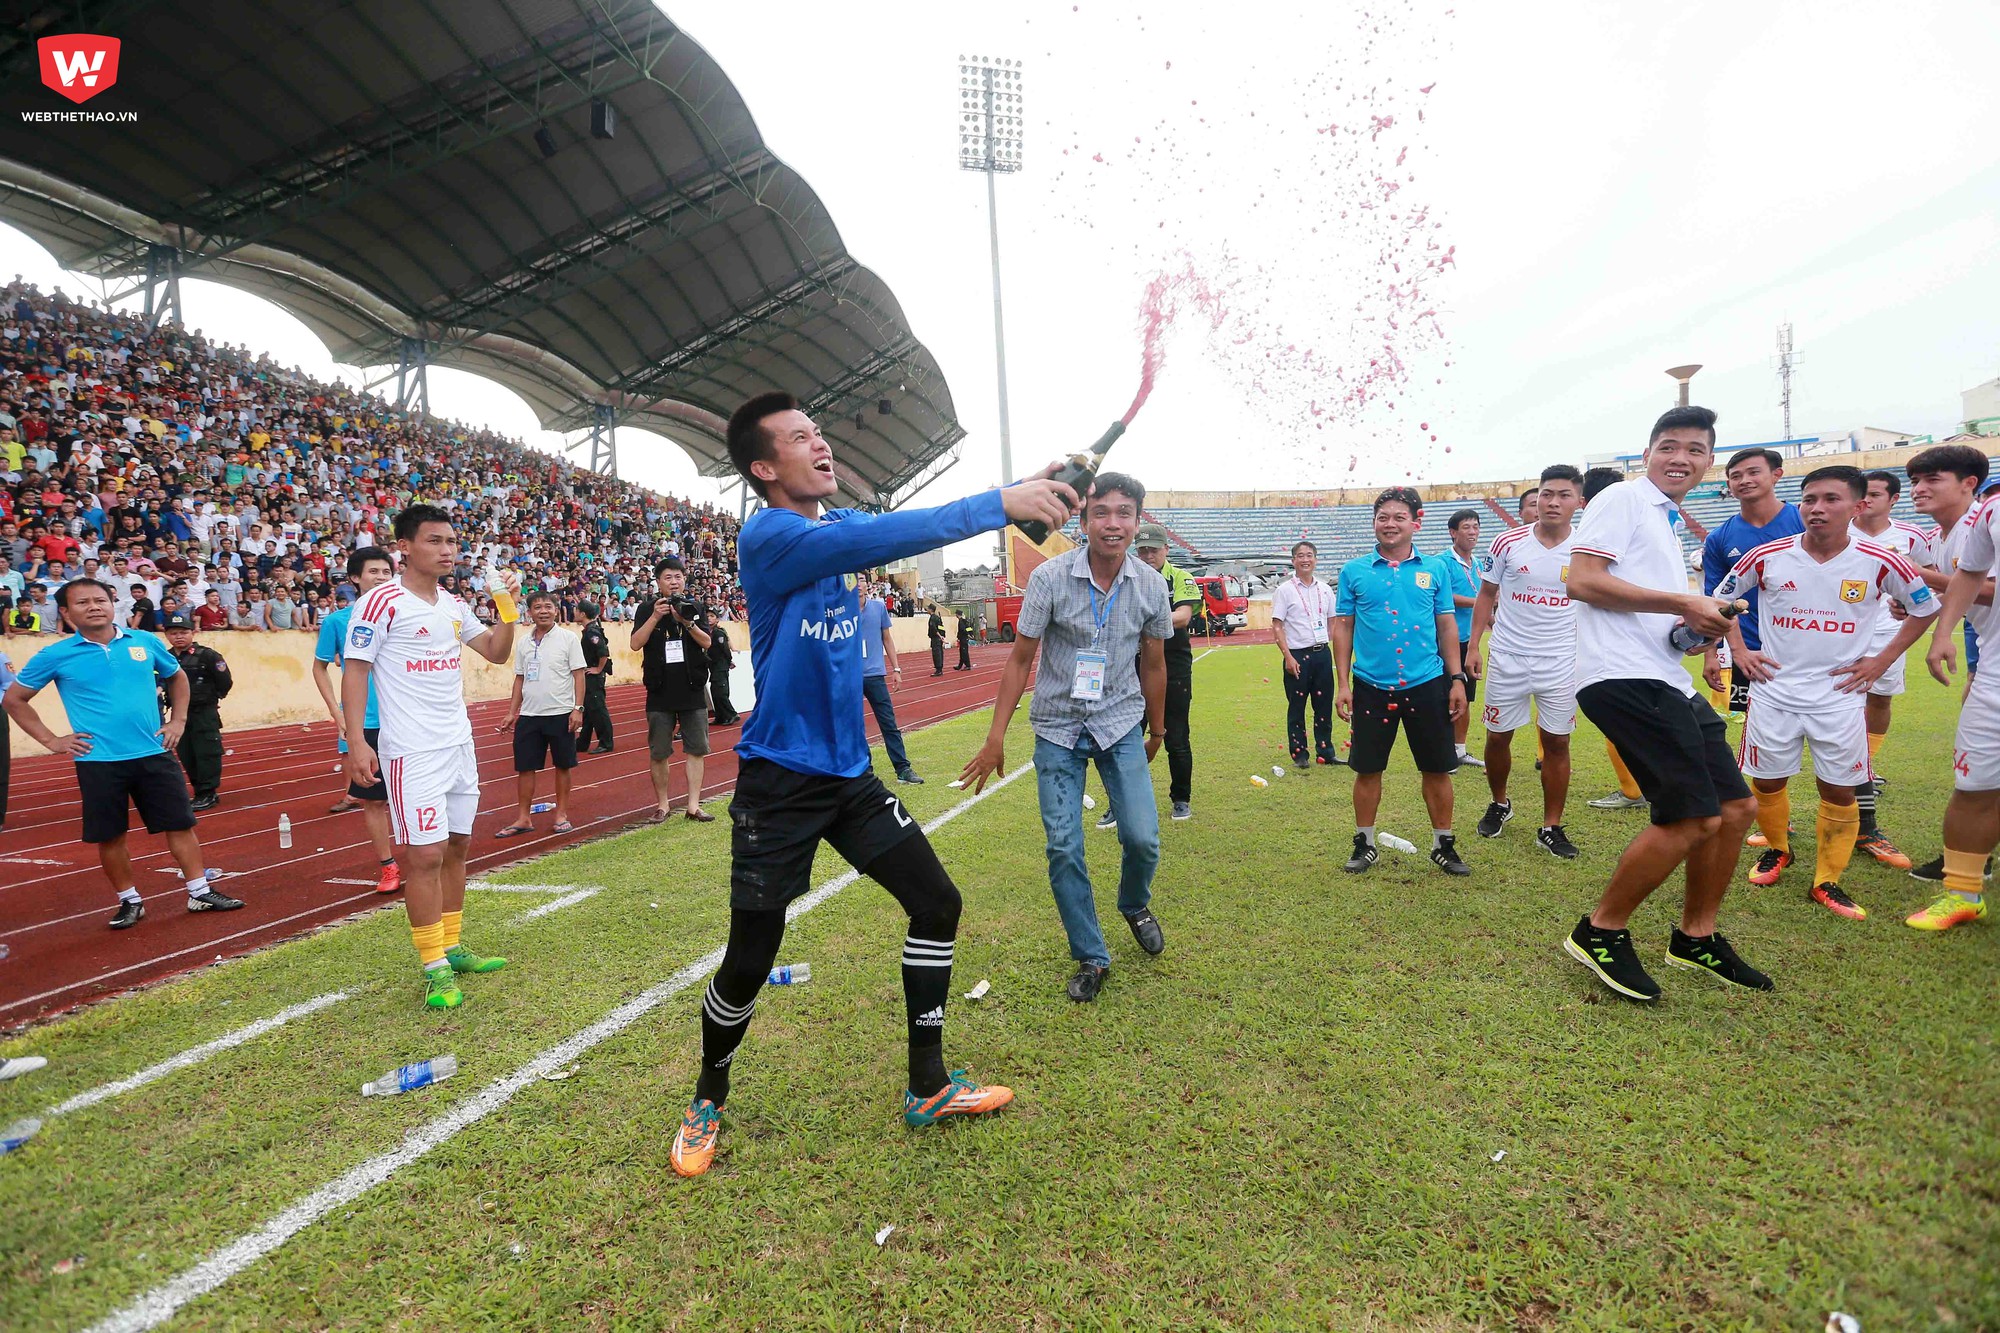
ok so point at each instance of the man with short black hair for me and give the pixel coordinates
(1396, 666)
(1874, 521)
(596, 672)
(934, 630)
(209, 682)
(670, 634)
(1629, 580)
(1528, 507)
(1301, 616)
(881, 673)
(369, 567)
(545, 712)
(1752, 476)
(1183, 599)
(1464, 567)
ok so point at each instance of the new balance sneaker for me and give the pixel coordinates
(1610, 955)
(961, 1096)
(1088, 981)
(442, 990)
(694, 1141)
(1556, 842)
(1496, 817)
(129, 914)
(1618, 800)
(18, 1065)
(1948, 911)
(1445, 857)
(1712, 954)
(1932, 871)
(1182, 810)
(1835, 900)
(1877, 845)
(1364, 856)
(1771, 863)
(208, 900)
(463, 959)
(1146, 930)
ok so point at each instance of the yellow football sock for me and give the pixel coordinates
(1774, 817)
(429, 941)
(1965, 874)
(1875, 739)
(450, 927)
(1627, 784)
(1837, 826)
(1720, 698)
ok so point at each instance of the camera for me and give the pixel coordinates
(685, 608)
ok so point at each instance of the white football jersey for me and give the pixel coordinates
(415, 647)
(1533, 617)
(1914, 545)
(1818, 616)
(1971, 545)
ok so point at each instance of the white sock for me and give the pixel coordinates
(1438, 835)
(128, 896)
(441, 965)
(1368, 833)
(198, 885)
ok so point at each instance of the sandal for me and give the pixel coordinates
(343, 805)
(563, 826)
(514, 831)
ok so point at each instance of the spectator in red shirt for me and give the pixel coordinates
(210, 615)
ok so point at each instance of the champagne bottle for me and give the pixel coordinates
(1076, 473)
(1687, 641)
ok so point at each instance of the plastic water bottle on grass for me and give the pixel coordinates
(411, 1077)
(792, 974)
(18, 1133)
(284, 831)
(541, 807)
(1395, 843)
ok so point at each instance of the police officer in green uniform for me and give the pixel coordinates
(1184, 596)
(596, 672)
(200, 749)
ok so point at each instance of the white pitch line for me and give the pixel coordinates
(195, 1055)
(153, 1308)
(357, 883)
(556, 905)
(481, 886)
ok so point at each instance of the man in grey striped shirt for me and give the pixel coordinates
(1101, 618)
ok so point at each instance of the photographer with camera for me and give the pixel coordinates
(671, 636)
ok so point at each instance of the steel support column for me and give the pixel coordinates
(163, 285)
(413, 383)
(604, 440)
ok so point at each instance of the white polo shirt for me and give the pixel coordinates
(1634, 526)
(547, 687)
(1304, 608)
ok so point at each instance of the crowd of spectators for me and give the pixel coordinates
(193, 476)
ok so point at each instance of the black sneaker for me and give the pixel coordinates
(129, 914)
(1556, 842)
(1364, 856)
(1445, 857)
(909, 778)
(1714, 956)
(1300, 762)
(208, 802)
(1108, 823)
(208, 900)
(1932, 871)
(1089, 980)
(1146, 930)
(1609, 953)
(1496, 817)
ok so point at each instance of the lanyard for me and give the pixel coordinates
(1097, 635)
(1319, 596)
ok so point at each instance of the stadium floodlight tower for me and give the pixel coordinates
(990, 137)
(1683, 374)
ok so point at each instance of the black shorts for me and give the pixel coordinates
(1675, 744)
(540, 739)
(779, 816)
(1424, 713)
(155, 784)
(1472, 685)
(1739, 691)
(379, 790)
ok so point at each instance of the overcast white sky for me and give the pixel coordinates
(1626, 188)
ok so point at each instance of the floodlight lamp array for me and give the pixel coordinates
(991, 131)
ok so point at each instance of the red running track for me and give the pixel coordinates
(54, 900)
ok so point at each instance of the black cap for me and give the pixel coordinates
(179, 620)
(588, 609)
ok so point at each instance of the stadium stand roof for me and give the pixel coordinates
(374, 168)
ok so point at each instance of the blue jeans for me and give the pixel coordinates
(875, 689)
(1059, 774)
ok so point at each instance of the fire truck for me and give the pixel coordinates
(1225, 606)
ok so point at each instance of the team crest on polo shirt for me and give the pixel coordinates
(1853, 590)
(848, 580)
(1423, 578)
(138, 653)
(1563, 575)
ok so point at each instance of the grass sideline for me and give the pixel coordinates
(1288, 1120)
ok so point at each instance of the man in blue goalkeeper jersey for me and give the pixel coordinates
(804, 775)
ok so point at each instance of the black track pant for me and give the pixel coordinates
(1180, 754)
(1314, 682)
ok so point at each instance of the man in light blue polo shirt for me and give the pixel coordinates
(109, 678)
(878, 663)
(1395, 632)
(1464, 567)
(368, 568)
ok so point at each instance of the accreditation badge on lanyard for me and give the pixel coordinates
(1090, 663)
(532, 668)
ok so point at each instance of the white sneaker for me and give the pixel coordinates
(19, 1065)
(1617, 800)
(1470, 760)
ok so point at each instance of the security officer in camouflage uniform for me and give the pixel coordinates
(208, 677)
(596, 671)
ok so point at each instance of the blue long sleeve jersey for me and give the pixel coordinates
(805, 622)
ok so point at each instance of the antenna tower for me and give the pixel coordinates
(1786, 361)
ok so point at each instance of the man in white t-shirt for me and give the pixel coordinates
(1629, 580)
(1524, 601)
(546, 712)
(1301, 611)
(1818, 595)
(406, 635)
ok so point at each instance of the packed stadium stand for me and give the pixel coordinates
(168, 466)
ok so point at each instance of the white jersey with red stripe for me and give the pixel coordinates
(1971, 546)
(1533, 616)
(1817, 616)
(1914, 545)
(416, 648)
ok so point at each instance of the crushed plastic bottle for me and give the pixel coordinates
(18, 1133)
(1395, 843)
(411, 1077)
(792, 974)
(541, 807)
(284, 830)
